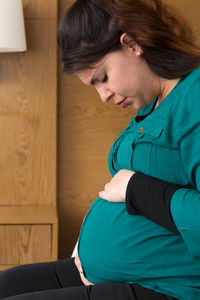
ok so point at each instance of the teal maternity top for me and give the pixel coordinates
(116, 246)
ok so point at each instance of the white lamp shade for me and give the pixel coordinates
(12, 31)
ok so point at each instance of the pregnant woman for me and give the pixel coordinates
(141, 237)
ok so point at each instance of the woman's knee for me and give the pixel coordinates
(12, 281)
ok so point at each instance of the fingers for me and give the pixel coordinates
(80, 269)
(106, 186)
(78, 264)
(84, 280)
(101, 194)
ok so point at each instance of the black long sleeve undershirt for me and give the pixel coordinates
(151, 198)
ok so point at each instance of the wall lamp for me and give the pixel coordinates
(12, 30)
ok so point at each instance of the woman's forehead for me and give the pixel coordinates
(87, 76)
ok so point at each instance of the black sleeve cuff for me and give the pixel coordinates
(151, 197)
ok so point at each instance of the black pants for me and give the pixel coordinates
(60, 280)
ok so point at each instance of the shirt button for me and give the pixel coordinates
(141, 129)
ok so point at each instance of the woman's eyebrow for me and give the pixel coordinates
(98, 67)
(93, 79)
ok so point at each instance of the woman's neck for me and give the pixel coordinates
(166, 87)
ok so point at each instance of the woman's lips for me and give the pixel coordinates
(122, 103)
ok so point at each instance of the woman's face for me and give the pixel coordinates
(124, 77)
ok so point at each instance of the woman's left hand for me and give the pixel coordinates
(115, 190)
(80, 269)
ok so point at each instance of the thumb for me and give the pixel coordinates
(102, 194)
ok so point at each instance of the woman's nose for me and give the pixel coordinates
(105, 94)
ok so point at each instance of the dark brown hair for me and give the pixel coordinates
(85, 34)
(92, 28)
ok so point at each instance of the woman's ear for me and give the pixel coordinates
(126, 40)
(129, 43)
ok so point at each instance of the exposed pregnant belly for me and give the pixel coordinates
(116, 246)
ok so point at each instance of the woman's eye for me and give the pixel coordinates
(105, 78)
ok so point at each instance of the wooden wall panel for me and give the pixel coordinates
(86, 130)
(28, 112)
(31, 237)
(40, 9)
(29, 80)
(27, 159)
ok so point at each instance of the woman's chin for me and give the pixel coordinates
(136, 106)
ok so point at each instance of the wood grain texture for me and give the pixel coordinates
(28, 81)
(28, 214)
(28, 145)
(86, 131)
(28, 112)
(34, 246)
(54, 241)
(40, 8)
(28, 159)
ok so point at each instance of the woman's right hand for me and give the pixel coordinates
(80, 269)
